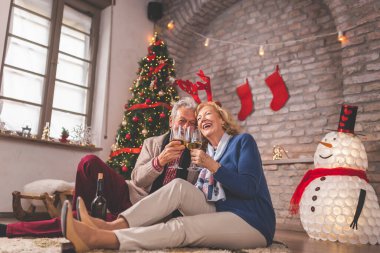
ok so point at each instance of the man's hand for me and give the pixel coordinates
(200, 158)
(171, 152)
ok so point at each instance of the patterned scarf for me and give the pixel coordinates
(206, 183)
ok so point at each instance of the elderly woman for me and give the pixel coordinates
(230, 208)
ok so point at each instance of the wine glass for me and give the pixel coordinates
(194, 141)
(177, 134)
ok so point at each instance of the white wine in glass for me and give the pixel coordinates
(177, 134)
(194, 141)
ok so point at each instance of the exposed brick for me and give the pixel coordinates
(320, 74)
(352, 89)
(373, 66)
(363, 78)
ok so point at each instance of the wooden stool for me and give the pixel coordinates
(51, 203)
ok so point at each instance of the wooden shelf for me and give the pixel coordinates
(289, 161)
(52, 143)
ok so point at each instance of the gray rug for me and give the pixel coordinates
(53, 245)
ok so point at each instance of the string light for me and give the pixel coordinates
(341, 37)
(207, 41)
(261, 50)
(170, 25)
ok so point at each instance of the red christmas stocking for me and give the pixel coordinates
(245, 95)
(278, 88)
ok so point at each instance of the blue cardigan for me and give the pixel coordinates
(242, 177)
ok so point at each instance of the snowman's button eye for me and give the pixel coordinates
(323, 178)
(334, 139)
(317, 189)
(312, 208)
(314, 198)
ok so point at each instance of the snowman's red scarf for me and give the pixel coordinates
(317, 173)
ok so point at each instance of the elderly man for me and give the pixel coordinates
(153, 169)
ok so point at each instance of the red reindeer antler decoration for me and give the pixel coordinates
(192, 88)
(206, 85)
(189, 88)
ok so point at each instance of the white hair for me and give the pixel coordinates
(186, 102)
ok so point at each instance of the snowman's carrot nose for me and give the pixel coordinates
(329, 145)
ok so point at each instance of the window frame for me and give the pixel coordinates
(52, 58)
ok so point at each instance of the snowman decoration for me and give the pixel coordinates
(335, 200)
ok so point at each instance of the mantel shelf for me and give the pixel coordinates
(289, 161)
(52, 143)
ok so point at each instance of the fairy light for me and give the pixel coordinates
(170, 25)
(207, 42)
(261, 50)
(341, 37)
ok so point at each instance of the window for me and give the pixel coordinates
(48, 67)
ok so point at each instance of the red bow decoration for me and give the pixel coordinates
(192, 88)
(159, 67)
(151, 57)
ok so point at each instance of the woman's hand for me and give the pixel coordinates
(201, 159)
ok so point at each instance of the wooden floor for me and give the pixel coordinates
(300, 242)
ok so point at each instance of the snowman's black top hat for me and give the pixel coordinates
(347, 119)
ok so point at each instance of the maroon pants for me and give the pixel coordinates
(115, 191)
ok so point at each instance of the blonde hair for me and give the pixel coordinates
(230, 125)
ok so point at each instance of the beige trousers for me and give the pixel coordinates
(201, 225)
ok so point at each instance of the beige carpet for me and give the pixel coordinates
(53, 245)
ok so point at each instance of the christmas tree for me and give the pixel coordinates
(147, 112)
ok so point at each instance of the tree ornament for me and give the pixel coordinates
(171, 80)
(161, 93)
(82, 135)
(124, 123)
(135, 119)
(278, 88)
(162, 115)
(148, 101)
(245, 95)
(150, 119)
(152, 85)
(64, 135)
(128, 136)
(86, 136)
(124, 168)
(114, 147)
(26, 131)
(46, 132)
(144, 132)
(142, 93)
(2, 127)
(172, 101)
